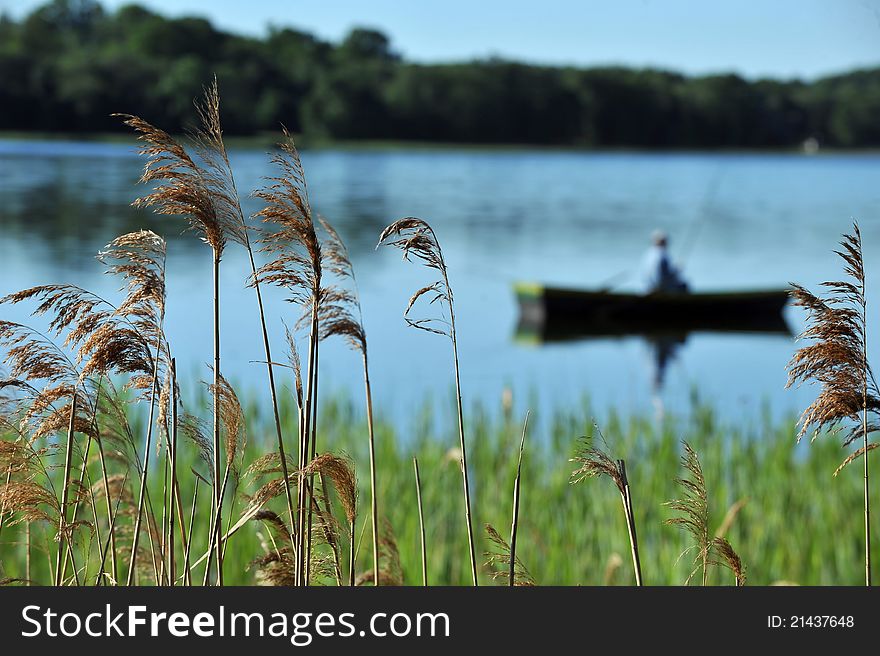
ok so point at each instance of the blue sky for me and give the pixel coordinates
(775, 38)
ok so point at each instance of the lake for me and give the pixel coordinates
(736, 221)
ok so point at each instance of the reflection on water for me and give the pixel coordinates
(663, 351)
(567, 218)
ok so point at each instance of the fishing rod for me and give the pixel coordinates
(691, 233)
(693, 230)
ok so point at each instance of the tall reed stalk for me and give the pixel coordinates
(342, 315)
(423, 542)
(142, 493)
(594, 461)
(837, 359)
(212, 152)
(630, 521)
(417, 239)
(65, 487)
(174, 492)
(296, 267)
(199, 187)
(514, 522)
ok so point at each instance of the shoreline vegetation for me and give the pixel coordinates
(265, 141)
(110, 476)
(69, 64)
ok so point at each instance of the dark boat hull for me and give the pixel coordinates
(566, 313)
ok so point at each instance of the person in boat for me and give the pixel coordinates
(660, 274)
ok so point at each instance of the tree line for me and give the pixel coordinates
(69, 64)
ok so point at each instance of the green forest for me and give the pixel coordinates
(68, 65)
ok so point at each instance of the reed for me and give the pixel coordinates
(417, 240)
(174, 492)
(212, 151)
(296, 267)
(342, 316)
(514, 522)
(139, 259)
(199, 187)
(340, 472)
(693, 509)
(65, 488)
(500, 561)
(837, 360)
(422, 541)
(593, 462)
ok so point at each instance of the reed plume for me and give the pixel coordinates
(593, 462)
(501, 560)
(727, 557)
(276, 566)
(390, 569)
(417, 240)
(232, 423)
(837, 359)
(340, 472)
(693, 507)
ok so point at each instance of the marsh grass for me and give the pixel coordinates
(572, 545)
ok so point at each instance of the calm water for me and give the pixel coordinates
(736, 221)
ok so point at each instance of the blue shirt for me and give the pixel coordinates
(659, 273)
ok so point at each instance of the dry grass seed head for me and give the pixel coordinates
(32, 356)
(274, 521)
(498, 561)
(232, 419)
(417, 240)
(215, 166)
(390, 569)
(594, 461)
(835, 356)
(268, 463)
(341, 310)
(295, 365)
(693, 506)
(727, 557)
(293, 244)
(275, 568)
(340, 471)
(28, 501)
(181, 185)
(197, 431)
(73, 309)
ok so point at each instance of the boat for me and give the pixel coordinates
(555, 313)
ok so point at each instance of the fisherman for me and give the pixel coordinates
(660, 274)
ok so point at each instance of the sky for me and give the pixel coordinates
(755, 38)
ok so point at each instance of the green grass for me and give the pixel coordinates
(799, 524)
